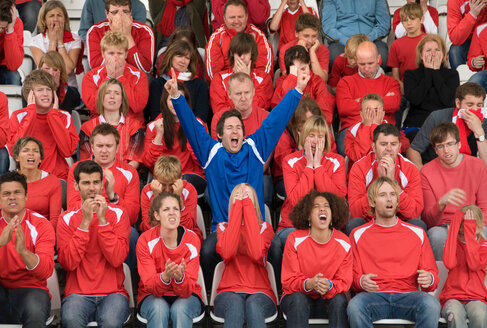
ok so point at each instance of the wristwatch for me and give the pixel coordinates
(481, 138)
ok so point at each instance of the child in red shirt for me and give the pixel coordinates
(430, 23)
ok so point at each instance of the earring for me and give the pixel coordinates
(330, 226)
(309, 224)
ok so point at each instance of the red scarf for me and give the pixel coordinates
(182, 76)
(61, 92)
(464, 129)
(166, 25)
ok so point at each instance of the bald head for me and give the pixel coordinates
(367, 58)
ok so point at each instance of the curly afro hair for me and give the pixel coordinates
(300, 214)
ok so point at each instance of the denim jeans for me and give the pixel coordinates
(108, 311)
(480, 78)
(336, 48)
(131, 259)
(9, 77)
(299, 308)
(456, 314)
(198, 182)
(27, 306)
(357, 222)
(340, 142)
(276, 250)
(280, 189)
(458, 54)
(4, 160)
(158, 311)
(28, 12)
(236, 308)
(209, 258)
(421, 307)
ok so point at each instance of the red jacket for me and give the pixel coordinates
(39, 239)
(364, 171)
(460, 22)
(258, 12)
(219, 99)
(395, 254)
(12, 46)
(300, 180)
(4, 122)
(48, 197)
(188, 211)
(322, 53)
(55, 130)
(316, 89)
(135, 85)
(251, 123)
(126, 186)
(243, 248)
(152, 255)
(217, 49)
(140, 55)
(478, 46)
(93, 259)
(304, 257)
(353, 87)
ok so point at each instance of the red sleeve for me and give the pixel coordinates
(55, 202)
(71, 242)
(393, 59)
(186, 286)
(278, 91)
(4, 122)
(475, 260)
(23, 127)
(427, 262)
(357, 193)
(44, 249)
(228, 236)
(396, 19)
(130, 200)
(151, 150)
(282, 52)
(292, 278)
(188, 214)
(265, 61)
(323, 56)
(450, 251)
(336, 71)
(113, 239)
(297, 183)
(331, 175)
(72, 195)
(474, 51)
(259, 11)
(142, 53)
(89, 89)
(257, 238)
(214, 121)
(145, 205)
(63, 130)
(343, 277)
(359, 145)
(14, 46)
(393, 100)
(411, 198)
(431, 214)
(459, 27)
(219, 99)
(264, 91)
(137, 89)
(93, 48)
(214, 56)
(346, 103)
(217, 9)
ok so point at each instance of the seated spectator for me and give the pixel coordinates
(403, 51)
(284, 20)
(368, 79)
(55, 35)
(317, 263)
(42, 119)
(114, 47)
(164, 136)
(168, 179)
(92, 242)
(28, 154)
(345, 64)
(242, 56)
(476, 56)
(343, 18)
(429, 25)
(4, 133)
(140, 50)
(359, 138)
(28, 12)
(112, 104)
(307, 30)
(235, 16)
(94, 12)
(11, 43)
(167, 15)
(168, 263)
(295, 57)
(258, 12)
(461, 20)
(464, 293)
(181, 57)
(385, 161)
(391, 285)
(27, 257)
(53, 63)
(244, 293)
(429, 87)
(469, 99)
(449, 182)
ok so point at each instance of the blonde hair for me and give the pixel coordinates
(115, 39)
(167, 168)
(54, 59)
(374, 187)
(47, 7)
(371, 96)
(352, 44)
(427, 38)
(318, 124)
(479, 218)
(411, 10)
(254, 198)
(102, 91)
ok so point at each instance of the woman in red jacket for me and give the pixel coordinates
(465, 294)
(168, 264)
(317, 263)
(244, 292)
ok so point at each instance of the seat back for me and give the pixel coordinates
(200, 221)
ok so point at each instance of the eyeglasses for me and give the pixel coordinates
(446, 145)
(115, 12)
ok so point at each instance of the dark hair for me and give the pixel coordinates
(117, 3)
(14, 176)
(227, 114)
(235, 3)
(156, 204)
(440, 132)
(178, 48)
(243, 43)
(305, 21)
(296, 52)
(21, 143)
(87, 167)
(469, 88)
(300, 214)
(186, 33)
(105, 129)
(386, 129)
(169, 119)
(5, 7)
